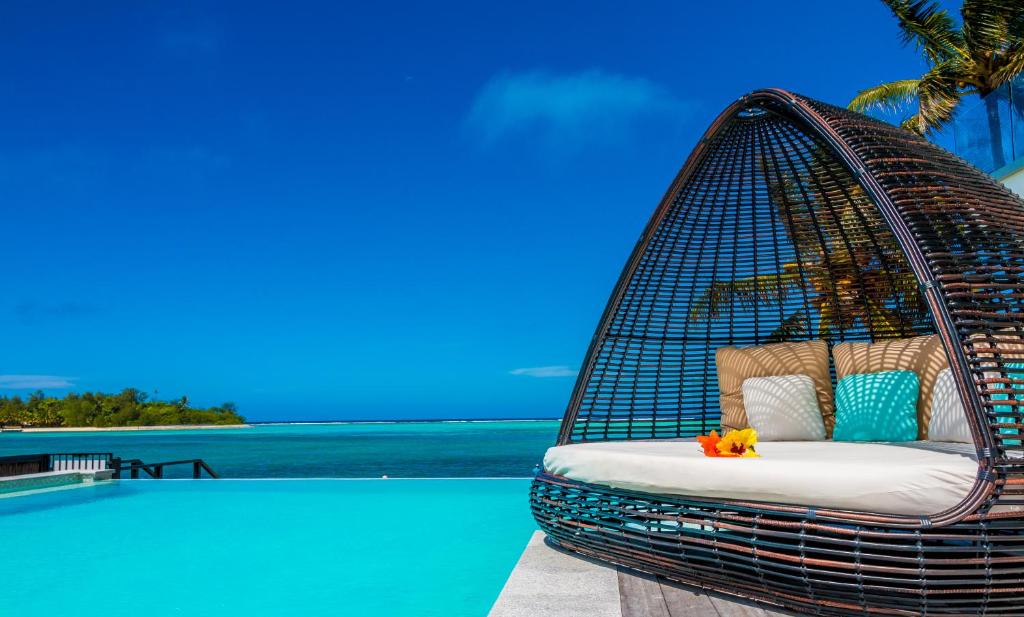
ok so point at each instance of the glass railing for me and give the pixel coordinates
(989, 133)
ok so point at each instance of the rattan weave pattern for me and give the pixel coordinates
(795, 220)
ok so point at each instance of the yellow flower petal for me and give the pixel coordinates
(738, 443)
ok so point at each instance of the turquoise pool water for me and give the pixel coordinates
(263, 547)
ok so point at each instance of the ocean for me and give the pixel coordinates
(447, 449)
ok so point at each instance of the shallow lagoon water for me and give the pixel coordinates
(354, 450)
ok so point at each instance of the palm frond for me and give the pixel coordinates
(938, 95)
(792, 327)
(1012, 66)
(892, 96)
(929, 28)
(914, 124)
(881, 320)
(826, 320)
(764, 290)
(992, 25)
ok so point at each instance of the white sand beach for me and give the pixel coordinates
(91, 429)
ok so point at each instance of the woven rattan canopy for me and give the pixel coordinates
(796, 220)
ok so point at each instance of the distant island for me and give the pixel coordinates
(130, 407)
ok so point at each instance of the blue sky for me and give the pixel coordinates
(348, 210)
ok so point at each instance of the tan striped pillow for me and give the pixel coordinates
(922, 354)
(736, 364)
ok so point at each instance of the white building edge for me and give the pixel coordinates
(1014, 179)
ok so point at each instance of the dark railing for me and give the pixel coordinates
(95, 461)
(156, 470)
(24, 464)
(40, 463)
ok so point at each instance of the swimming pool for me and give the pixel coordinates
(263, 547)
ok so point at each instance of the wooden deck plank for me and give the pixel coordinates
(640, 595)
(685, 601)
(728, 606)
(643, 595)
(732, 608)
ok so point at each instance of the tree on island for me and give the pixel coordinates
(981, 55)
(130, 407)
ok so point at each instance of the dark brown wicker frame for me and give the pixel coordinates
(852, 208)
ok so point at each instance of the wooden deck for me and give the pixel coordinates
(551, 582)
(643, 595)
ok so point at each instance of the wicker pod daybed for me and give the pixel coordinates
(863, 220)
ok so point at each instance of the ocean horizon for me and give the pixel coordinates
(401, 421)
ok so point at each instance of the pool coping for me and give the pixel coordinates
(549, 581)
(50, 481)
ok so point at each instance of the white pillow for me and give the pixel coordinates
(783, 408)
(949, 419)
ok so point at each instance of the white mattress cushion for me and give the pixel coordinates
(783, 408)
(916, 478)
(949, 419)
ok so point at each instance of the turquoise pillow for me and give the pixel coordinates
(877, 407)
(1013, 371)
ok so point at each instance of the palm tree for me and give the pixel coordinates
(836, 282)
(985, 52)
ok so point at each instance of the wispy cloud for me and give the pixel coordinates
(34, 382)
(560, 370)
(567, 111)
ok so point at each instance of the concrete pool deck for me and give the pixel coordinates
(551, 582)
